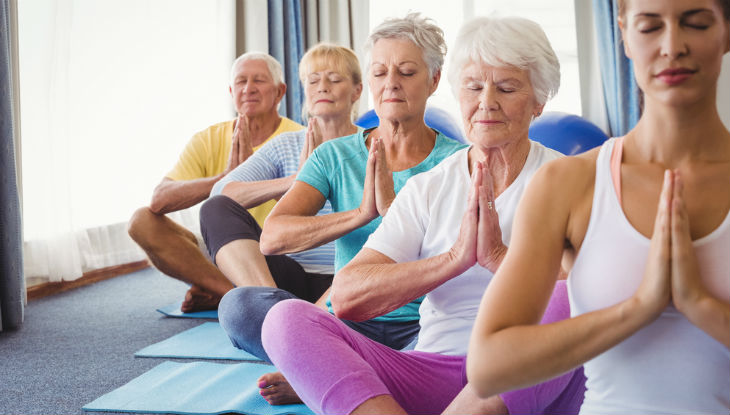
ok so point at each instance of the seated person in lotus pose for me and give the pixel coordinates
(333, 83)
(360, 175)
(647, 217)
(444, 237)
(256, 87)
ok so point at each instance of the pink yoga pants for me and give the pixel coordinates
(335, 369)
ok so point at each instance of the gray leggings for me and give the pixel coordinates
(242, 311)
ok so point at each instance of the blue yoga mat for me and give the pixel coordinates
(195, 388)
(173, 310)
(207, 341)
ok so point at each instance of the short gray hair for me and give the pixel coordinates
(277, 74)
(420, 30)
(507, 41)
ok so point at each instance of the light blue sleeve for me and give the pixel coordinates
(262, 165)
(313, 171)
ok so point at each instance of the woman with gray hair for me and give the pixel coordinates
(444, 237)
(360, 174)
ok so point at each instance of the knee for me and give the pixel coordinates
(140, 224)
(284, 321)
(213, 208)
(247, 306)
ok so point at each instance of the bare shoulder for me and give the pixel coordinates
(567, 176)
(562, 190)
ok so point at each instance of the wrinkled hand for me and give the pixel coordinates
(654, 292)
(464, 250)
(490, 249)
(241, 147)
(368, 207)
(384, 187)
(312, 139)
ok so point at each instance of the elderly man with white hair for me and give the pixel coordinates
(256, 87)
(444, 236)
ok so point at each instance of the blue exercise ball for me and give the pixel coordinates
(566, 133)
(435, 118)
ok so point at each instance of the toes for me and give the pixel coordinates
(269, 379)
(267, 392)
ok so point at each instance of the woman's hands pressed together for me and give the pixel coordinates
(672, 272)
(312, 139)
(480, 237)
(379, 189)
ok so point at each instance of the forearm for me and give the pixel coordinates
(548, 350)
(251, 194)
(173, 195)
(284, 234)
(368, 290)
(711, 315)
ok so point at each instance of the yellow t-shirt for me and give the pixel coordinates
(206, 155)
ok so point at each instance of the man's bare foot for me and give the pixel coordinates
(276, 390)
(197, 299)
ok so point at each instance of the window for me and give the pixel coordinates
(110, 93)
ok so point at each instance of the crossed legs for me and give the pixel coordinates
(174, 251)
(336, 370)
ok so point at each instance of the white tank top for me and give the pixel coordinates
(669, 366)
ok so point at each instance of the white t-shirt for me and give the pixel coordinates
(424, 221)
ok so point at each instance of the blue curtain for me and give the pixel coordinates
(619, 86)
(12, 280)
(286, 44)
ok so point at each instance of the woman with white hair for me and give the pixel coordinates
(444, 236)
(360, 174)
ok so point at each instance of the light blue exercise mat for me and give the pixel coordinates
(207, 341)
(173, 310)
(195, 388)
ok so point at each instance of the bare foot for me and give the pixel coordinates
(197, 299)
(276, 390)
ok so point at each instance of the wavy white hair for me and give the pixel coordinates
(420, 30)
(507, 41)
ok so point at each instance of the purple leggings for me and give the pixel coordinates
(334, 369)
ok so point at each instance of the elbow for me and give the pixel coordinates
(478, 377)
(344, 309)
(344, 304)
(157, 206)
(269, 243)
(489, 370)
(338, 305)
(225, 190)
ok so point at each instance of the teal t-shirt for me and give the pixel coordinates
(337, 169)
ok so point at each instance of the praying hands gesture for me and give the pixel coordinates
(480, 237)
(379, 190)
(312, 139)
(241, 147)
(672, 273)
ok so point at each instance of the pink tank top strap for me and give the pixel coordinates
(616, 155)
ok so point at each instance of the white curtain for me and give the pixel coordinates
(110, 93)
(591, 89)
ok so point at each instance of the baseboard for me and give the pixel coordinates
(49, 288)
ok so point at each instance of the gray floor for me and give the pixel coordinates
(76, 346)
